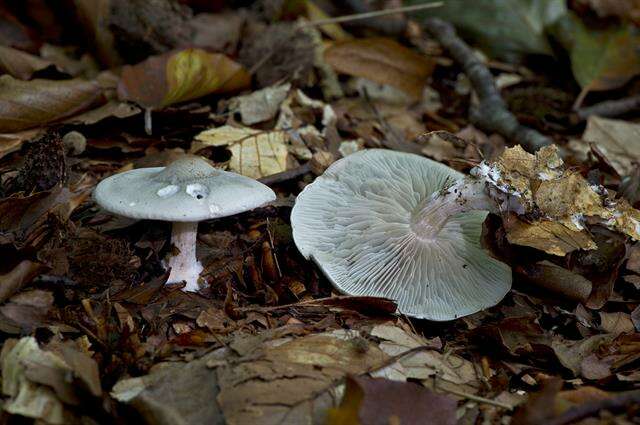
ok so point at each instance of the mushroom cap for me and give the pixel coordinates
(355, 220)
(189, 189)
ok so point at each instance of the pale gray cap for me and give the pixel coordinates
(354, 221)
(189, 189)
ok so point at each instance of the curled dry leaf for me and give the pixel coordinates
(180, 76)
(617, 140)
(261, 105)
(26, 104)
(23, 273)
(254, 153)
(40, 383)
(540, 184)
(20, 64)
(382, 60)
(548, 236)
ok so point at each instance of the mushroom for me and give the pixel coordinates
(400, 226)
(185, 192)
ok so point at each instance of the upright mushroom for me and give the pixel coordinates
(395, 225)
(187, 191)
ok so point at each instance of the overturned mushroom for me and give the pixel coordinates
(397, 225)
(187, 191)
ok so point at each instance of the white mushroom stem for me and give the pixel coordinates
(184, 265)
(468, 194)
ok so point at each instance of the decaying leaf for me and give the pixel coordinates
(451, 370)
(548, 236)
(541, 184)
(381, 60)
(294, 381)
(382, 401)
(26, 104)
(180, 76)
(618, 140)
(254, 153)
(40, 383)
(20, 64)
(261, 105)
(174, 393)
(23, 273)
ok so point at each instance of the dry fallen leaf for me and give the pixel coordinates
(541, 185)
(20, 64)
(382, 60)
(23, 273)
(548, 236)
(40, 383)
(261, 105)
(619, 141)
(451, 370)
(180, 76)
(26, 104)
(254, 153)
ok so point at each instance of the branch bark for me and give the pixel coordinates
(491, 114)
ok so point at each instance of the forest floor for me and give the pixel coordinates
(278, 91)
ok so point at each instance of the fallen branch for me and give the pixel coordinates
(586, 410)
(491, 114)
(610, 108)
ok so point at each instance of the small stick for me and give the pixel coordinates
(611, 108)
(372, 14)
(477, 398)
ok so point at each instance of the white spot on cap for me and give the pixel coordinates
(198, 190)
(166, 191)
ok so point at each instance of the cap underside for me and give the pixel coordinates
(354, 221)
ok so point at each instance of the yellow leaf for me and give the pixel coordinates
(180, 76)
(254, 153)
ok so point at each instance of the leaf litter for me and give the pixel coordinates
(93, 334)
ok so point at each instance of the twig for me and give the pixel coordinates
(372, 14)
(287, 175)
(492, 113)
(610, 108)
(477, 398)
(586, 410)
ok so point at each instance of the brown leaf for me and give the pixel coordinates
(375, 401)
(26, 104)
(616, 323)
(548, 236)
(381, 60)
(20, 275)
(27, 310)
(20, 64)
(180, 76)
(12, 142)
(617, 140)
